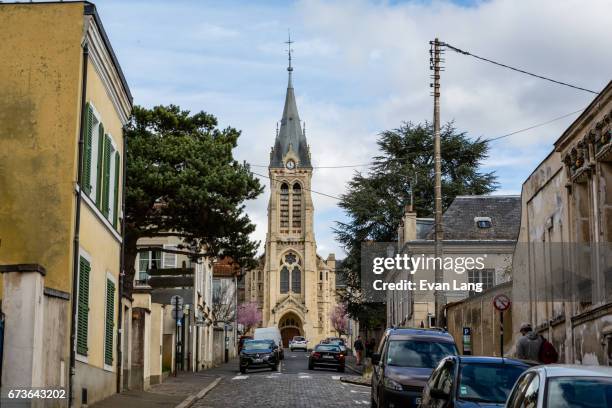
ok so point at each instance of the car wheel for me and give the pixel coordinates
(311, 366)
(275, 368)
(242, 370)
(341, 369)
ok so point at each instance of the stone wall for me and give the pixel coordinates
(477, 313)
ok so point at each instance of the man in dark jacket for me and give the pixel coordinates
(358, 349)
(528, 346)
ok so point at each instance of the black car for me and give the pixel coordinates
(326, 355)
(404, 361)
(472, 382)
(259, 354)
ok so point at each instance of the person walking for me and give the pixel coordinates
(529, 345)
(358, 349)
(370, 345)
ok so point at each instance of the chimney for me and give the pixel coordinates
(409, 225)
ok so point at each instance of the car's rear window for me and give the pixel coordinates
(324, 347)
(480, 382)
(297, 338)
(257, 345)
(579, 392)
(418, 353)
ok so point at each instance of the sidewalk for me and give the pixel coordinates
(351, 365)
(186, 387)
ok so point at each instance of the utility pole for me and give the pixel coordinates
(434, 64)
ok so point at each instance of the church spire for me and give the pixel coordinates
(290, 136)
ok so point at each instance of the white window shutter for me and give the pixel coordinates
(169, 259)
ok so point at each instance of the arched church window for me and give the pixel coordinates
(284, 206)
(296, 280)
(296, 204)
(284, 280)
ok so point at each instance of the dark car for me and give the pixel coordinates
(241, 342)
(259, 354)
(326, 355)
(404, 361)
(471, 382)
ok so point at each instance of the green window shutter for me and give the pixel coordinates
(110, 322)
(116, 193)
(106, 176)
(100, 161)
(83, 306)
(87, 145)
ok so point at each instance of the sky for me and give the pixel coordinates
(362, 67)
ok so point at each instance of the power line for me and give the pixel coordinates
(533, 127)
(304, 188)
(485, 140)
(460, 51)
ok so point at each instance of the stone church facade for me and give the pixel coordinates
(294, 287)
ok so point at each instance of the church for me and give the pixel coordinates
(294, 287)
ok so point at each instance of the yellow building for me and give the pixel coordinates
(64, 102)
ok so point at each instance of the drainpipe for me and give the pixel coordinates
(77, 227)
(121, 268)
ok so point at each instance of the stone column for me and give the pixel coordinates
(23, 308)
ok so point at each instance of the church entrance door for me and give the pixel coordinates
(290, 326)
(288, 333)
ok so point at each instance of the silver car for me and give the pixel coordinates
(563, 386)
(298, 342)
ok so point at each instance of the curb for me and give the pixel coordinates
(187, 402)
(353, 369)
(355, 381)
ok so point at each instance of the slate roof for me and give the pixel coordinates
(504, 211)
(290, 134)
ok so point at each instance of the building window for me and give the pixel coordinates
(284, 280)
(484, 276)
(296, 280)
(148, 260)
(291, 274)
(284, 206)
(101, 167)
(483, 222)
(296, 206)
(83, 306)
(109, 322)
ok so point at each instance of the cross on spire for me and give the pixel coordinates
(289, 42)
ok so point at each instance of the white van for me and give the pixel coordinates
(270, 333)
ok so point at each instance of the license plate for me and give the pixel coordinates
(258, 360)
(328, 357)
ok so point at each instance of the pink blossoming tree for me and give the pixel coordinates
(248, 315)
(339, 319)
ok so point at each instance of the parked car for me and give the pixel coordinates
(404, 361)
(470, 382)
(270, 333)
(241, 342)
(299, 343)
(562, 386)
(259, 354)
(326, 355)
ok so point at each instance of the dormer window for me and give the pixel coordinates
(483, 222)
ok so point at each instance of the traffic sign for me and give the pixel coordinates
(501, 302)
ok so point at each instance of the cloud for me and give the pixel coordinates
(362, 67)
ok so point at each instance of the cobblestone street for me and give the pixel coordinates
(293, 386)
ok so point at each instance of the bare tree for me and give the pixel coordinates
(224, 298)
